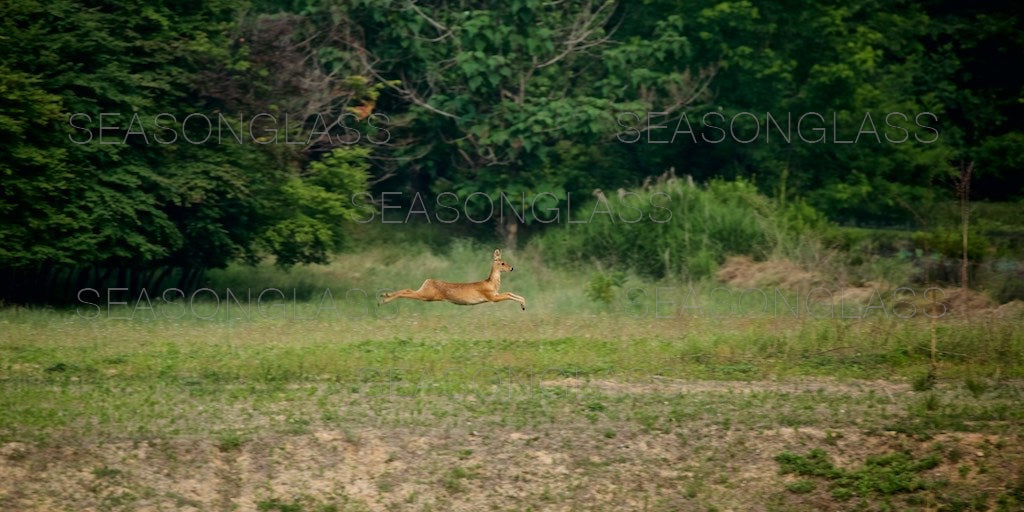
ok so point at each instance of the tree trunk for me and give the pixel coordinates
(508, 228)
(160, 277)
(183, 279)
(964, 190)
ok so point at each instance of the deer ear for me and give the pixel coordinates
(497, 253)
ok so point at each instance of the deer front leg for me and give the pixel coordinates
(510, 296)
(520, 299)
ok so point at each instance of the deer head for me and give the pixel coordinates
(500, 263)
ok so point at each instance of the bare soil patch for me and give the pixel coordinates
(572, 463)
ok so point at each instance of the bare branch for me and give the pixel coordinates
(582, 30)
(434, 23)
(445, 31)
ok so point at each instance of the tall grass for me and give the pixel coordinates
(682, 231)
(361, 274)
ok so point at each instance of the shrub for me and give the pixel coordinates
(674, 229)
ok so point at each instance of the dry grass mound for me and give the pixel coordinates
(744, 272)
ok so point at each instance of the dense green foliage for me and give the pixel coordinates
(848, 60)
(523, 97)
(114, 203)
(515, 93)
(921, 88)
(143, 194)
(680, 230)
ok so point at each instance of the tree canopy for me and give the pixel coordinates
(185, 135)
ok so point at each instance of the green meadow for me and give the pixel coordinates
(490, 407)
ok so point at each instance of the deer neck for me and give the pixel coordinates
(495, 276)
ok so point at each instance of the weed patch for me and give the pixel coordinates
(881, 475)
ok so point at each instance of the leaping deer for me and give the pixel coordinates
(465, 294)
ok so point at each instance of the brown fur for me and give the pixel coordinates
(466, 294)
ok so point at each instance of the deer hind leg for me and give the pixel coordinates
(388, 297)
(426, 292)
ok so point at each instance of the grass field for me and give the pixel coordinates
(566, 406)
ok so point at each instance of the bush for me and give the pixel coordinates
(678, 230)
